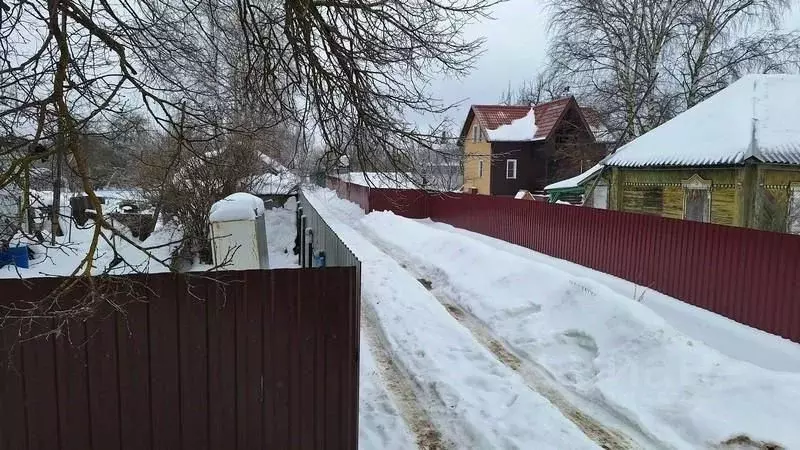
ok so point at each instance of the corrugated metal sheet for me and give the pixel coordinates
(247, 360)
(747, 275)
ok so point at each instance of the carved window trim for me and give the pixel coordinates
(698, 183)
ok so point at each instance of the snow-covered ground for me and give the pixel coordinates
(473, 400)
(725, 335)
(63, 258)
(70, 249)
(658, 372)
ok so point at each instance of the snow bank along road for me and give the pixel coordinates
(505, 351)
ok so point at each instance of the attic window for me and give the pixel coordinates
(793, 222)
(476, 133)
(511, 169)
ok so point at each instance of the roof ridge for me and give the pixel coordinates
(496, 105)
(752, 149)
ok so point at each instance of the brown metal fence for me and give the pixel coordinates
(241, 360)
(750, 276)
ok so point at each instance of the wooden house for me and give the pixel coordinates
(733, 159)
(513, 148)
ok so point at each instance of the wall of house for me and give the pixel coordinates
(660, 192)
(772, 196)
(574, 149)
(474, 152)
(531, 166)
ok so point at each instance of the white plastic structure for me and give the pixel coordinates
(238, 233)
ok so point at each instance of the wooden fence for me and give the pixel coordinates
(750, 276)
(246, 360)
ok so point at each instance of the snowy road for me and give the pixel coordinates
(494, 346)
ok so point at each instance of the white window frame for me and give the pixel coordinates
(793, 209)
(697, 183)
(511, 163)
(480, 168)
(476, 133)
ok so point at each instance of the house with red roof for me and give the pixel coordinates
(508, 148)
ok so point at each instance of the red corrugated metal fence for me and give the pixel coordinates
(750, 276)
(248, 360)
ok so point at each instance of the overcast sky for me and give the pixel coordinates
(516, 41)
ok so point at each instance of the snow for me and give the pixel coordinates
(277, 180)
(522, 129)
(729, 337)
(237, 206)
(576, 180)
(281, 232)
(70, 249)
(381, 180)
(605, 347)
(380, 425)
(521, 194)
(754, 117)
(476, 401)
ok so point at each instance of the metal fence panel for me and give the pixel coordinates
(235, 360)
(750, 276)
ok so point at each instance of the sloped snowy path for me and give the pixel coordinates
(473, 400)
(599, 422)
(620, 360)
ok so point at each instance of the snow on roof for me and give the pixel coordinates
(237, 206)
(381, 180)
(576, 180)
(755, 117)
(522, 129)
(491, 117)
(277, 180)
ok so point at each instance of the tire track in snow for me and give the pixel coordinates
(535, 376)
(399, 385)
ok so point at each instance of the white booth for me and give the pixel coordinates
(238, 233)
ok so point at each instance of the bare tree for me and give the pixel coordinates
(719, 40)
(640, 62)
(211, 75)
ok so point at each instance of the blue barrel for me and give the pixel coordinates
(17, 256)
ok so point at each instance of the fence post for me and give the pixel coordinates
(298, 230)
(310, 243)
(303, 221)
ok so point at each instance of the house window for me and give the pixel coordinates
(697, 199)
(476, 133)
(480, 169)
(793, 222)
(511, 169)
(600, 197)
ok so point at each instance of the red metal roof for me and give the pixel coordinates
(547, 115)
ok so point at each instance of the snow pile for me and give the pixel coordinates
(281, 233)
(753, 117)
(237, 206)
(475, 401)
(605, 347)
(576, 180)
(522, 129)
